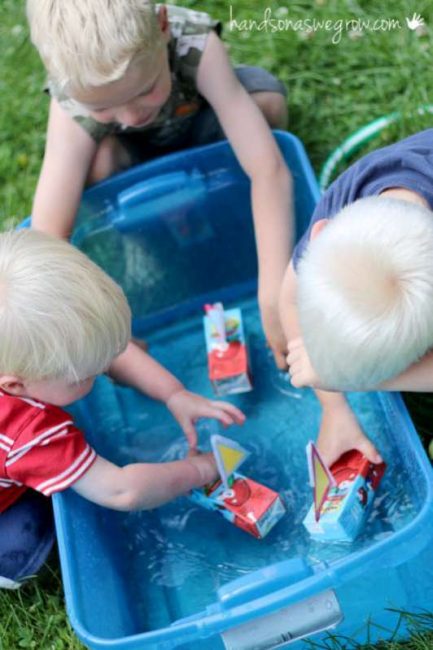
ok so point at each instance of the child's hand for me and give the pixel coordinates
(301, 371)
(188, 407)
(274, 334)
(205, 464)
(340, 432)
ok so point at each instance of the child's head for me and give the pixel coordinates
(62, 319)
(365, 292)
(89, 46)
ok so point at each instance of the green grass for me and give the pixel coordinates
(34, 617)
(333, 90)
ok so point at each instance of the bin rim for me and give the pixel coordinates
(327, 575)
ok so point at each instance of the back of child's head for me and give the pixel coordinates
(365, 292)
(88, 43)
(61, 316)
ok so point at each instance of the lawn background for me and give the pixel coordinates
(334, 88)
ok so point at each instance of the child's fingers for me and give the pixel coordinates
(298, 377)
(232, 410)
(221, 416)
(280, 359)
(293, 357)
(190, 433)
(296, 380)
(211, 410)
(227, 414)
(294, 344)
(369, 450)
(224, 412)
(211, 471)
(205, 463)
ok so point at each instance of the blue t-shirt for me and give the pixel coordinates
(407, 164)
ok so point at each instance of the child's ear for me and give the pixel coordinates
(318, 227)
(163, 19)
(11, 384)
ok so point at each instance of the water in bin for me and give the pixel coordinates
(167, 548)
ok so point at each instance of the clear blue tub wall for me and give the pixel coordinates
(183, 225)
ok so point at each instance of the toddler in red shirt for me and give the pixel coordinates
(63, 321)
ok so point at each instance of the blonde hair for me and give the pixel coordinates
(61, 316)
(92, 42)
(365, 292)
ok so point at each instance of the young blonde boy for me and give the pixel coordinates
(357, 299)
(63, 322)
(130, 80)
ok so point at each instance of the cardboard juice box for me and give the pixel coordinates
(248, 505)
(347, 505)
(227, 354)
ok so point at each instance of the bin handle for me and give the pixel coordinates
(299, 585)
(157, 186)
(263, 581)
(157, 196)
(286, 625)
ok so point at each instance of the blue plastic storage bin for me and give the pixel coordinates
(176, 233)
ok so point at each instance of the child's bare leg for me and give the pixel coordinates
(26, 537)
(274, 108)
(111, 157)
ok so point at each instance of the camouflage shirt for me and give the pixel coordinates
(189, 32)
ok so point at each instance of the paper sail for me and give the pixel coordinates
(229, 455)
(321, 478)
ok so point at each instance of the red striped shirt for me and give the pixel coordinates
(40, 448)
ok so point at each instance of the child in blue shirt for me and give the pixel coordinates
(357, 298)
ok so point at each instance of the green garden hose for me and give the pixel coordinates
(357, 139)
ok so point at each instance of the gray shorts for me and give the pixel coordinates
(202, 127)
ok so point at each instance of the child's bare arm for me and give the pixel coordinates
(417, 378)
(142, 486)
(136, 368)
(339, 429)
(258, 153)
(68, 155)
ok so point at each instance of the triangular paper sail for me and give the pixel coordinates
(321, 478)
(229, 455)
